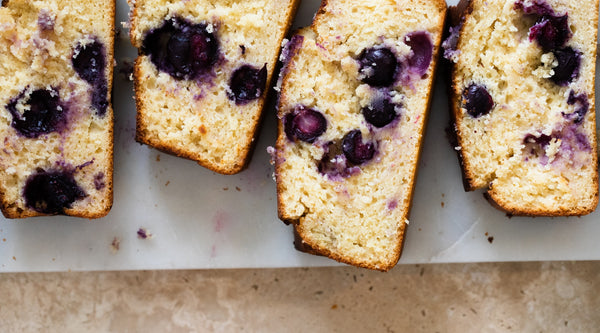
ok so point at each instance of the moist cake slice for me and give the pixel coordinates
(202, 75)
(523, 103)
(56, 119)
(355, 92)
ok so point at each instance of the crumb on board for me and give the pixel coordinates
(115, 245)
(143, 233)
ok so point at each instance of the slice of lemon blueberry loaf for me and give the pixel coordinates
(354, 96)
(202, 74)
(56, 120)
(523, 103)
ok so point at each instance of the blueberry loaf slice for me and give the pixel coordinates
(202, 75)
(523, 103)
(353, 103)
(56, 121)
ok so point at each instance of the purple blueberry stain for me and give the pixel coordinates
(356, 150)
(247, 83)
(422, 51)
(51, 192)
(477, 100)
(89, 61)
(334, 164)
(99, 183)
(37, 112)
(378, 66)
(381, 111)
(567, 70)
(184, 50)
(581, 104)
(535, 7)
(572, 141)
(304, 124)
(450, 44)
(45, 20)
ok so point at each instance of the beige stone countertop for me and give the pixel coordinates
(498, 297)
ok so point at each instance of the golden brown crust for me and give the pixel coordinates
(11, 211)
(302, 243)
(244, 153)
(458, 15)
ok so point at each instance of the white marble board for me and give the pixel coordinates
(199, 219)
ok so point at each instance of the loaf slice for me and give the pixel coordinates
(56, 121)
(355, 91)
(202, 75)
(523, 103)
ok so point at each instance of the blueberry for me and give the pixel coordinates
(247, 83)
(89, 61)
(567, 69)
(378, 66)
(178, 52)
(182, 49)
(44, 113)
(551, 32)
(543, 140)
(422, 49)
(535, 7)
(581, 104)
(304, 124)
(52, 192)
(380, 112)
(355, 150)
(478, 100)
(100, 98)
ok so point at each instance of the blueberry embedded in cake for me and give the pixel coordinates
(55, 104)
(202, 75)
(522, 100)
(351, 113)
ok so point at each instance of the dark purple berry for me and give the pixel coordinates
(178, 53)
(380, 112)
(182, 49)
(89, 61)
(44, 113)
(90, 64)
(582, 105)
(100, 98)
(567, 69)
(478, 100)
(304, 124)
(542, 140)
(378, 66)
(52, 192)
(247, 83)
(535, 7)
(551, 32)
(422, 49)
(356, 151)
